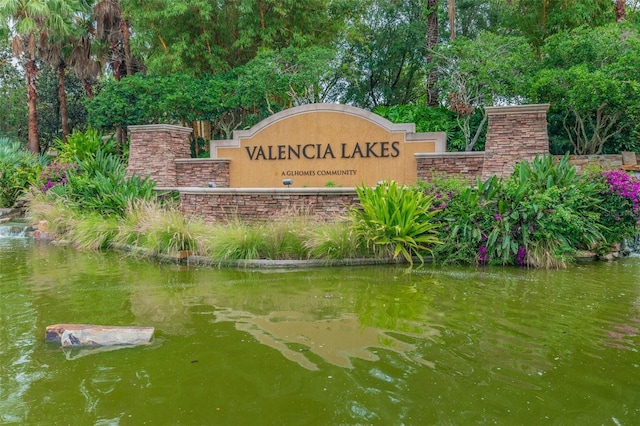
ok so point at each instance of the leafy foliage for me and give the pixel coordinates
(472, 75)
(427, 119)
(13, 115)
(382, 54)
(100, 185)
(591, 77)
(200, 37)
(539, 20)
(395, 218)
(82, 145)
(541, 213)
(18, 170)
(49, 114)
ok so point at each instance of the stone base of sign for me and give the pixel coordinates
(223, 204)
(153, 150)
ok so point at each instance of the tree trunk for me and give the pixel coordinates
(621, 12)
(432, 41)
(126, 45)
(32, 101)
(62, 98)
(452, 19)
(88, 88)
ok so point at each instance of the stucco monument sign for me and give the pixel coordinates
(324, 144)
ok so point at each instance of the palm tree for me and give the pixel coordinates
(57, 51)
(113, 28)
(86, 64)
(28, 20)
(51, 52)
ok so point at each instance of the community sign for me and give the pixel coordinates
(320, 145)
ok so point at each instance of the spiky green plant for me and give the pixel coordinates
(82, 145)
(396, 218)
(19, 168)
(284, 239)
(100, 184)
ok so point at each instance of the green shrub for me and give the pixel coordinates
(395, 219)
(429, 119)
(100, 184)
(538, 216)
(18, 170)
(57, 217)
(92, 231)
(82, 145)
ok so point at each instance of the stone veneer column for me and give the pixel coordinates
(153, 150)
(514, 133)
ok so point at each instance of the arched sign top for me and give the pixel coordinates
(323, 107)
(317, 145)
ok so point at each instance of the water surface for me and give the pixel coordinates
(365, 345)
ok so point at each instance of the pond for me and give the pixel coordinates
(321, 346)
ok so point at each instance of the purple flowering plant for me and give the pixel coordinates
(620, 195)
(538, 216)
(55, 174)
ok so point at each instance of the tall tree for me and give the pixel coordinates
(451, 12)
(87, 64)
(591, 78)
(472, 76)
(381, 59)
(536, 20)
(433, 37)
(112, 28)
(51, 52)
(205, 36)
(28, 19)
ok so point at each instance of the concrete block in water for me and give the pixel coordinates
(98, 335)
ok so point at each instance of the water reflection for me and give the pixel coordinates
(336, 341)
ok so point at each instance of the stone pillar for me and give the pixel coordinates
(153, 150)
(514, 134)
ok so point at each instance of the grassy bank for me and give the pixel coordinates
(152, 228)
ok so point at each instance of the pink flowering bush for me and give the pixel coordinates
(55, 174)
(620, 194)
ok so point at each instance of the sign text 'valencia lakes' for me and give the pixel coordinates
(321, 151)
